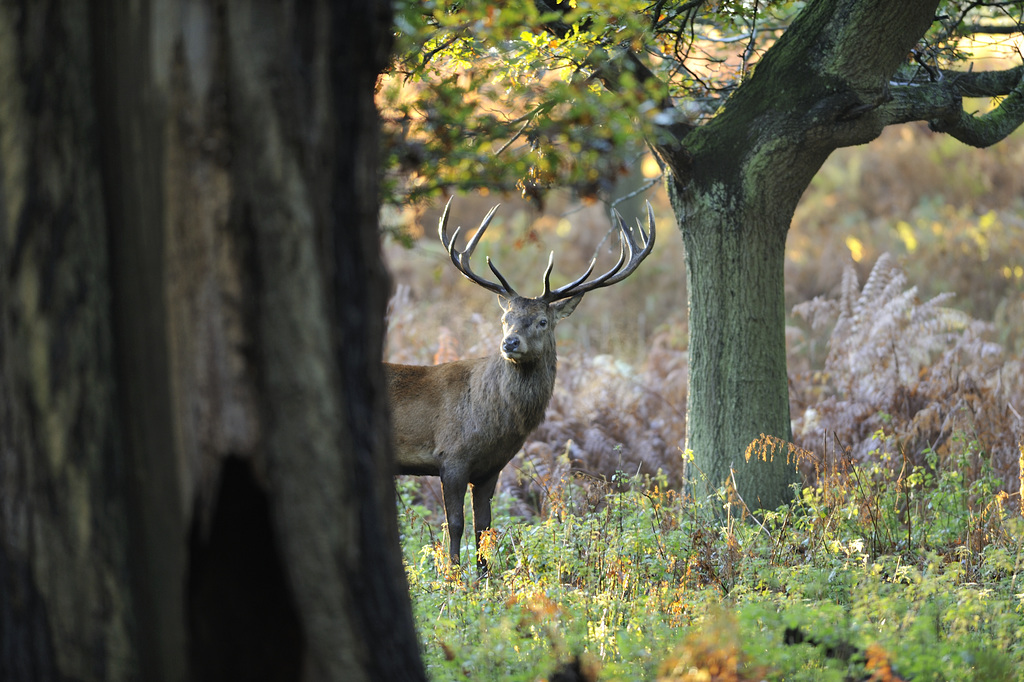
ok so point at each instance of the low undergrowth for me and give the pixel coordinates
(877, 572)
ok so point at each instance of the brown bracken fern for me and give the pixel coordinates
(920, 371)
(884, 334)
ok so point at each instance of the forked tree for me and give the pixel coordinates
(742, 102)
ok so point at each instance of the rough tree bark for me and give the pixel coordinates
(63, 514)
(734, 185)
(194, 469)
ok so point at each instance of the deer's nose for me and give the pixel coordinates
(510, 344)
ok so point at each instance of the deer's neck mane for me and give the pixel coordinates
(522, 389)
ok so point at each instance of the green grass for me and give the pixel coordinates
(916, 572)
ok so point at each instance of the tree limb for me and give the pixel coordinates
(940, 102)
(986, 129)
(991, 29)
(986, 83)
(919, 102)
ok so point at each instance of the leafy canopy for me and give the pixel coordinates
(533, 95)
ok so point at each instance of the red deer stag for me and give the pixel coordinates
(465, 420)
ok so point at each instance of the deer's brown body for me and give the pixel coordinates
(464, 421)
(501, 402)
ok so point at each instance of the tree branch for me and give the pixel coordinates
(919, 102)
(987, 129)
(941, 104)
(991, 29)
(986, 83)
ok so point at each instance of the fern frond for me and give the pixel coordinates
(884, 278)
(885, 334)
(819, 312)
(850, 291)
(447, 346)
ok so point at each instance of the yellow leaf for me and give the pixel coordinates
(856, 248)
(907, 235)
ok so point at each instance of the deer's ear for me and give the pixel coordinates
(504, 302)
(563, 309)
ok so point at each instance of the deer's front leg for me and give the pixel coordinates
(453, 488)
(482, 495)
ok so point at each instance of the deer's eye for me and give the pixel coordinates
(542, 322)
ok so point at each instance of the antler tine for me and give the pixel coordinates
(460, 259)
(471, 246)
(627, 243)
(547, 275)
(550, 295)
(442, 226)
(504, 282)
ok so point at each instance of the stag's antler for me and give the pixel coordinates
(618, 273)
(622, 269)
(461, 259)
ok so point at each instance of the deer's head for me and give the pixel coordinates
(528, 324)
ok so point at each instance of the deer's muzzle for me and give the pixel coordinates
(510, 346)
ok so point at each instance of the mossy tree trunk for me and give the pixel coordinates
(737, 381)
(194, 455)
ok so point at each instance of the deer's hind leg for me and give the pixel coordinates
(482, 495)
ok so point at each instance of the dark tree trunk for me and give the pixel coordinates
(194, 453)
(63, 513)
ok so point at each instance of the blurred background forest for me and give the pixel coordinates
(913, 243)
